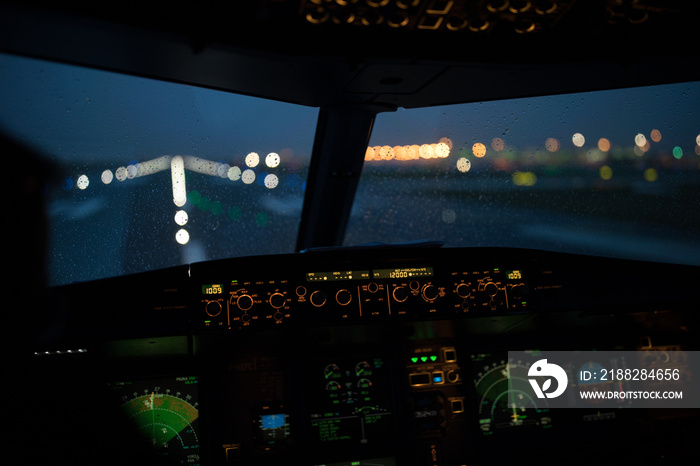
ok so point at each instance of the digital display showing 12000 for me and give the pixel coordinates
(410, 272)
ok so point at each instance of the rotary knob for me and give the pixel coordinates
(277, 300)
(401, 293)
(519, 291)
(463, 290)
(343, 297)
(430, 292)
(244, 302)
(318, 298)
(491, 289)
(213, 308)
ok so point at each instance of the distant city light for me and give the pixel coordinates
(83, 182)
(449, 216)
(651, 175)
(427, 151)
(640, 140)
(121, 173)
(409, 152)
(578, 140)
(234, 173)
(463, 164)
(248, 176)
(272, 160)
(271, 181)
(479, 150)
(447, 142)
(252, 160)
(604, 145)
(524, 178)
(595, 155)
(181, 217)
(498, 144)
(655, 135)
(552, 144)
(182, 236)
(107, 176)
(605, 172)
(442, 150)
(678, 152)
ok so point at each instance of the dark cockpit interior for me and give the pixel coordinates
(262, 232)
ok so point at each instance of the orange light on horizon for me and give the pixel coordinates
(552, 144)
(498, 144)
(440, 150)
(479, 150)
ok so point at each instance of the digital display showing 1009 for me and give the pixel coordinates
(212, 289)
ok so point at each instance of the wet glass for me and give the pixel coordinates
(156, 174)
(613, 173)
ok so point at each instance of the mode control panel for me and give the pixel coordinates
(323, 294)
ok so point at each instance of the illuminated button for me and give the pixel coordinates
(449, 354)
(233, 454)
(438, 377)
(457, 405)
(416, 380)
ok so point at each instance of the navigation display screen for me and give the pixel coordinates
(165, 411)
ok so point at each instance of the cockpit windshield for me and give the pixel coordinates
(612, 173)
(156, 174)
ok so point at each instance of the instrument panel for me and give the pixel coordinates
(380, 356)
(320, 294)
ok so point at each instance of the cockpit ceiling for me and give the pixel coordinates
(406, 53)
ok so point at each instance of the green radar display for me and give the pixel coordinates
(502, 388)
(165, 411)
